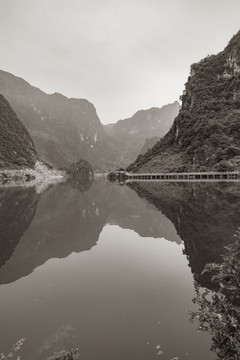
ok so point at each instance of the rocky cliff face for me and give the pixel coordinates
(130, 134)
(205, 134)
(63, 130)
(16, 146)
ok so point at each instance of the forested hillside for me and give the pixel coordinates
(206, 133)
(16, 146)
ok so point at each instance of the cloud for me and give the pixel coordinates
(120, 55)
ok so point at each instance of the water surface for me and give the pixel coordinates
(110, 269)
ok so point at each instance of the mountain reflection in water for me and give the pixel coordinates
(68, 220)
(205, 215)
(133, 273)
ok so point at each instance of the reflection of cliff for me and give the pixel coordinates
(66, 221)
(69, 221)
(205, 215)
(126, 209)
(17, 208)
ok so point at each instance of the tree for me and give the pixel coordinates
(219, 311)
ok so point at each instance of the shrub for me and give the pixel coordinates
(219, 311)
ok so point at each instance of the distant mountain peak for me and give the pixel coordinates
(131, 133)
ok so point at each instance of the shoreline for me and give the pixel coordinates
(40, 177)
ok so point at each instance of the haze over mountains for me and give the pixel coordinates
(205, 134)
(65, 130)
(141, 131)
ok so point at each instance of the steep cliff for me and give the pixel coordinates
(130, 134)
(205, 134)
(63, 130)
(16, 146)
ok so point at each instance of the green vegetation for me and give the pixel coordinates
(16, 146)
(219, 311)
(13, 352)
(65, 355)
(81, 170)
(81, 175)
(62, 355)
(205, 134)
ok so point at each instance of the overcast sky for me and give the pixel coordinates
(121, 55)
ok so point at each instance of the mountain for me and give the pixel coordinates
(205, 134)
(130, 134)
(16, 146)
(63, 130)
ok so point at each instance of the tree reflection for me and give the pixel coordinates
(219, 311)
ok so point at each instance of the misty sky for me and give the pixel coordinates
(121, 55)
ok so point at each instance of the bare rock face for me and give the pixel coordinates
(205, 134)
(16, 146)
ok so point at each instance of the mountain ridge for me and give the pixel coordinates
(63, 129)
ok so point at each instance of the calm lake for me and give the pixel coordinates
(110, 268)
